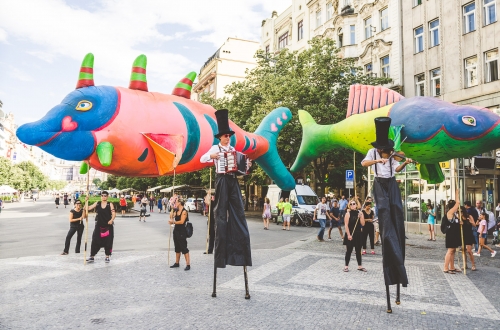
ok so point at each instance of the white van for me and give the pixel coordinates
(303, 199)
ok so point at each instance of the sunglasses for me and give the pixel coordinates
(352, 204)
(226, 135)
(104, 195)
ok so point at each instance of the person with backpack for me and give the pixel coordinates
(180, 234)
(123, 205)
(451, 227)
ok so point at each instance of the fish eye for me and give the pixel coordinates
(469, 120)
(84, 105)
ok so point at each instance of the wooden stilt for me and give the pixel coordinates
(214, 293)
(247, 293)
(389, 309)
(398, 301)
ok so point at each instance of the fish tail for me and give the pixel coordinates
(270, 161)
(316, 139)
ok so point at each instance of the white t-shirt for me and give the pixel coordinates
(321, 210)
(383, 170)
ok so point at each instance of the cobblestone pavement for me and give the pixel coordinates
(298, 286)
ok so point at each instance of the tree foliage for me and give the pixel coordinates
(25, 176)
(316, 80)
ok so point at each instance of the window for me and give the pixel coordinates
(368, 27)
(211, 89)
(329, 11)
(420, 84)
(341, 38)
(283, 41)
(368, 69)
(318, 18)
(434, 32)
(267, 49)
(471, 71)
(384, 19)
(490, 12)
(300, 30)
(384, 63)
(436, 82)
(417, 2)
(347, 3)
(469, 17)
(419, 39)
(352, 32)
(491, 60)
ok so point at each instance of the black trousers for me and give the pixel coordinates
(350, 247)
(368, 230)
(391, 222)
(98, 242)
(72, 230)
(232, 239)
(211, 229)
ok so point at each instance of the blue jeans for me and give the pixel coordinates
(476, 238)
(322, 224)
(342, 215)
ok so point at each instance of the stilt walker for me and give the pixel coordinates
(390, 209)
(232, 239)
(86, 214)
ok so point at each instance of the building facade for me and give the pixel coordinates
(227, 65)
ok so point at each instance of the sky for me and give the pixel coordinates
(43, 42)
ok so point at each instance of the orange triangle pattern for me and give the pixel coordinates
(167, 149)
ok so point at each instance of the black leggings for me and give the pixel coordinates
(72, 230)
(368, 230)
(348, 253)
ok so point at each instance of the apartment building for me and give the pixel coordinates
(451, 51)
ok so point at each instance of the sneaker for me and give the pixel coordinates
(329, 238)
(91, 259)
(106, 260)
(176, 265)
(493, 254)
(188, 267)
(475, 254)
(364, 252)
(373, 252)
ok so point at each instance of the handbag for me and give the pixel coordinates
(445, 224)
(189, 226)
(280, 219)
(104, 232)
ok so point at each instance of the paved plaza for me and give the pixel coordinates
(294, 284)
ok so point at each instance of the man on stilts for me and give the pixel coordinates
(390, 209)
(232, 239)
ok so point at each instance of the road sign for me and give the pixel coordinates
(349, 179)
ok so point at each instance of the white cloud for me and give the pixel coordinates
(45, 56)
(19, 74)
(3, 35)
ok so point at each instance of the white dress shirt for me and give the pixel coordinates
(215, 149)
(384, 170)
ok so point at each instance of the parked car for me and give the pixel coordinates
(193, 204)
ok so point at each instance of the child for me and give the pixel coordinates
(143, 212)
(483, 232)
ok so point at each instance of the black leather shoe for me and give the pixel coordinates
(208, 252)
(176, 265)
(188, 267)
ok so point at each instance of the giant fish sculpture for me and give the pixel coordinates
(433, 130)
(133, 132)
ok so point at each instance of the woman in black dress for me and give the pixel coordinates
(368, 228)
(180, 235)
(76, 225)
(453, 239)
(353, 220)
(468, 223)
(65, 199)
(57, 201)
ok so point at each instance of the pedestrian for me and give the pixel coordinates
(320, 212)
(453, 237)
(342, 207)
(279, 206)
(483, 233)
(431, 221)
(151, 203)
(164, 202)
(142, 212)
(103, 234)
(65, 200)
(475, 215)
(1, 204)
(173, 202)
(266, 213)
(145, 201)
(368, 227)
(57, 201)
(180, 234)
(287, 213)
(134, 199)
(76, 225)
(160, 205)
(353, 221)
(123, 204)
(467, 224)
(335, 219)
(255, 202)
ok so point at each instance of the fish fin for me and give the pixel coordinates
(364, 98)
(271, 162)
(315, 141)
(431, 172)
(183, 87)
(167, 149)
(84, 168)
(105, 153)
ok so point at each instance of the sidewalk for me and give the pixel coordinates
(298, 286)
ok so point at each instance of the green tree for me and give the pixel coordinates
(316, 80)
(35, 179)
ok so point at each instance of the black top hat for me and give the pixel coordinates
(382, 125)
(222, 123)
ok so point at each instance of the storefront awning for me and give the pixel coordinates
(155, 188)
